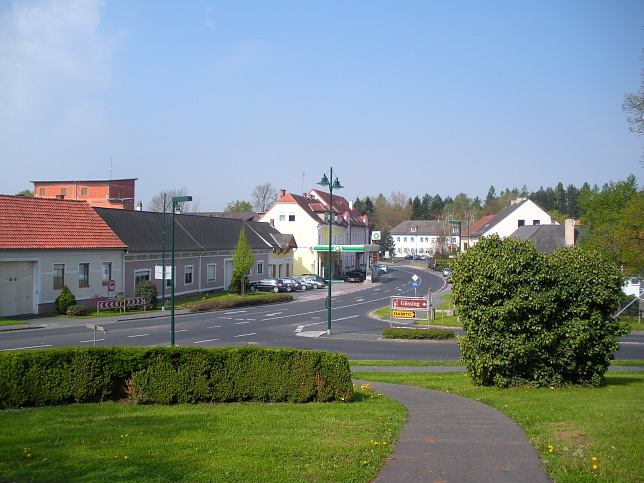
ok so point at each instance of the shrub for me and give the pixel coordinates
(405, 333)
(148, 290)
(76, 310)
(532, 318)
(64, 300)
(166, 375)
(228, 303)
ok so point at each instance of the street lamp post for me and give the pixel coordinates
(175, 200)
(332, 185)
(459, 233)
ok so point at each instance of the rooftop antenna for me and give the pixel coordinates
(110, 168)
(302, 182)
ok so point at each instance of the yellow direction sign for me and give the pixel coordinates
(403, 313)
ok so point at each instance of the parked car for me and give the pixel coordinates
(355, 276)
(382, 267)
(311, 282)
(447, 272)
(314, 277)
(294, 284)
(271, 285)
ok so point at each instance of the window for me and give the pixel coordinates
(405, 239)
(291, 217)
(211, 272)
(521, 222)
(140, 276)
(83, 274)
(536, 222)
(414, 229)
(42, 191)
(83, 191)
(260, 268)
(397, 238)
(411, 239)
(188, 274)
(63, 191)
(282, 217)
(106, 273)
(59, 275)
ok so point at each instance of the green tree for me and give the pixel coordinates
(27, 193)
(242, 263)
(417, 212)
(614, 223)
(533, 318)
(64, 300)
(238, 206)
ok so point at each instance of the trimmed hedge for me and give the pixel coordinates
(404, 333)
(229, 303)
(167, 375)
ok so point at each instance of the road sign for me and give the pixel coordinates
(409, 303)
(414, 284)
(403, 313)
(111, 285)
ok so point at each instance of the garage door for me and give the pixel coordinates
(16, 288)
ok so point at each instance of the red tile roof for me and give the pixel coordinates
(41, 223)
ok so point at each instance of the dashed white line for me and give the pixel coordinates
(139, 335)
(246, 335)
(31, 347)
(88, 341)
(202, 341)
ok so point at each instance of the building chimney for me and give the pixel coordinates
(139, 206)
(272, 222)
(569, 232)
(282, 193)
(60, 197)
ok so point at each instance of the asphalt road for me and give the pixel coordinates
(301, 324)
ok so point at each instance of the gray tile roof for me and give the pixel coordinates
(547, 238)
(143, 231)
(422, 227)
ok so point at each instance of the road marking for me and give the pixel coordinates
(202, 341)
(139, 335)
(214, 327)
(31, 347)
(182, 330)
(87, 341)
(245, 335)
(241, 323)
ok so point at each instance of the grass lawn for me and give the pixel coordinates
(237, 442)
(8, 321)
(582, 434)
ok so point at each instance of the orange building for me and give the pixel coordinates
(113, 193)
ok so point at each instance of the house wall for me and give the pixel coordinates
(528, 212)
(140, 266)
(41, 264)
(104, 194)
(420, 244)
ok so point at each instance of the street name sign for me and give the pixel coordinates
(409, 303)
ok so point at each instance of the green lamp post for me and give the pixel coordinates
(332, 185)
(175, 200)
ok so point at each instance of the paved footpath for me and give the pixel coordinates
(452, 439)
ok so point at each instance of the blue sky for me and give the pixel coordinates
(411, 97)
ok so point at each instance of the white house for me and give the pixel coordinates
(522, 212)
(423, 237)
(306, 217)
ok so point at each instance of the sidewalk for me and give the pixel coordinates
(449, 438)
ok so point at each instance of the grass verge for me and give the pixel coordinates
(225, 442)
(582, 434)
(7, 321)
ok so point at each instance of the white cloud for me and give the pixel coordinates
(54, 71)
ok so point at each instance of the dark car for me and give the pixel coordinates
(355, 277)
(294, 284)
(271, 285)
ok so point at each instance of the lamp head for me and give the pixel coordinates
(336, 184)
(324, 181)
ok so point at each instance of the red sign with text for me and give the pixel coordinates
(409, 303)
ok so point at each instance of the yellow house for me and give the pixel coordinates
(306, 217)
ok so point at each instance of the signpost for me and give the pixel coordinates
(408, 307)
(95, 328)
